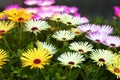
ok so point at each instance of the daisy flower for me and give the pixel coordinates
(106, 29)
(6, 26)
(63, 35)
(76, 31)
(35, 58)
(36, 26)
(89, 28)
(112, 41)
(3, 57)
(97, 37)
(73, 10)
(71, 59)
(102, 57)
(81, 47)
(30, 2)
(114, 69)
(45, 2)
(12, 6)
(49, 47)
(18, 15)
(56, 17)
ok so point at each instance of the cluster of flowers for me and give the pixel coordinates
(37, 19)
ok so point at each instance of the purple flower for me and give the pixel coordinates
(45, 2)
(97, 37)
(117, 11)
(112, 41)
(12, 7)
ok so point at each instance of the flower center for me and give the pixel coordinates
(69, 23)
(113, 45)
(20, 19)
(58, 19)
(34, 28)
(101, 60)
(97, 40)
(71, 63)
(2, 31)
(80, 50)
(117, 70)
(64, 39)
(77, 32)
(37, 61)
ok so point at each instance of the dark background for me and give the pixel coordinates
(93, 8)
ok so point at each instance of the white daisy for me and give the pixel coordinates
(102, 57)
(81, 47)
(36, 26)
(63, 35)
(71, 59)
(49, 47)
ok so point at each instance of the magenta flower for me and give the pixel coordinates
(97, 37)
(12, 6)
(73, 10)
(30, 2)
(89, 28)
(45, 2)
(112, 41)
(117, 11)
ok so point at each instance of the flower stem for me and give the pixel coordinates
(6, 43)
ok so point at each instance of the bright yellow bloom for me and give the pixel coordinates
(3, 15)
(36, 58)
(6, 26)
(18, 15)
(3, 57)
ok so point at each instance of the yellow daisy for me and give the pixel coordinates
(3, 57)
(6, 26)
(18, 15)
(36, 58)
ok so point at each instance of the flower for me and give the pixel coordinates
(30, 2)
(76, 31)
(112, 41)
(97, 37)
(115, 69)
(49, 47)
(36, 58)
(71, 59)
(13, 6)
(117, 11)
(6, 26)
(18, 15)
(102, 57)
(3, 57)
(63, 35)
(81, 47)
(36, 26)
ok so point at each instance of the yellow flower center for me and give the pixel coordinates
(117, 70)
(37, 61)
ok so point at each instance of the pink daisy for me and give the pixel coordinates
(30, 2)
(112, 41)
(12, 7)
(45, 2)
(73, 10)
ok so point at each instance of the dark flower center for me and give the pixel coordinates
(69, 23)
(71, 63)
(101, 60)
(113, 45)
(37, 61)
(97, 40)
(77, 32)
(64, 39)
(58, 19)
(2, 31)
(117, 70)
(20, 19)
(80, 50)
(34, 28)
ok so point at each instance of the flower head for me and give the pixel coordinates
(71, 59)
(49, 47)
(36, 26)
(3, 57)
(81, 47)
(102, 57)
(117, 11)
(36, 58)
(30, 2)
(63, 35)
(112, 41)
(13, 6)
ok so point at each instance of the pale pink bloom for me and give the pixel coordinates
(45, 8)
(117, 11)
(60, 9)
(106, 29)
(89, 28)
(45, 2)
(83, 20)
(13, 6)
(72, 10)
(112, 41)
(30, 2)
(97, 37)
(45, 14)
(77, 15)
(32, 10)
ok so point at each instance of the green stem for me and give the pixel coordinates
(6, 43)
(20, 34)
